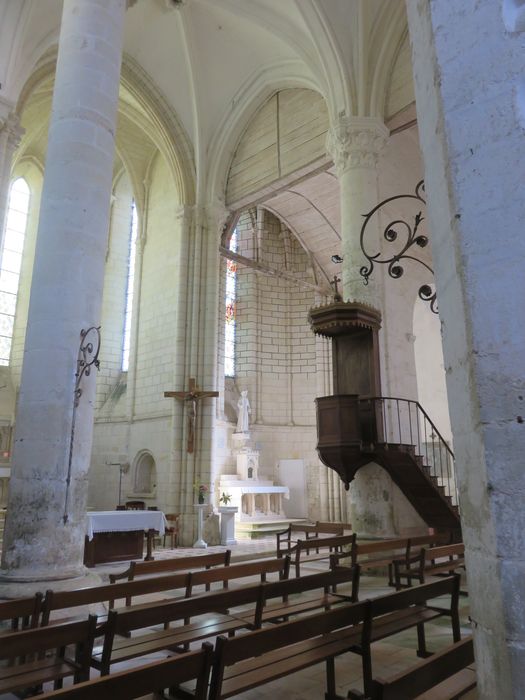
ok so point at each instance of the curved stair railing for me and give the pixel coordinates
(405, 422)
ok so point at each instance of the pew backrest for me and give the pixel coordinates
(255, 645)
(151, 678)
(325, 581)
(430, 561)
(322, 547)
(171, 565)
(19, 649)
(237, 572)
(24, 613)
(286, 538)
(108, 594)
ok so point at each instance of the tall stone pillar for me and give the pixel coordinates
(44, 536)
(10, 135)
(198, 342)
(354, 144)
(473, 144)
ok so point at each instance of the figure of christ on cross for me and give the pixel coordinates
(191, 397)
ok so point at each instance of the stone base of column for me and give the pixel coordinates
(19, 585)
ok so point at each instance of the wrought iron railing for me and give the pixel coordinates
(405, 422)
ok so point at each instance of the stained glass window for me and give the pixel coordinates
(13, 247)
(129, 288)
(229, 320)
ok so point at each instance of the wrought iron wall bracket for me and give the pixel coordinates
(391, 234)
(86, 359)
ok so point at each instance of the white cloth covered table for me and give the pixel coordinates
(125, 521)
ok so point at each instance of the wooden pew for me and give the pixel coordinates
(287, 538)
(322, 546)
(251, 660)
(168, 566)
(291, 594)
(23, 613)
(222, 612)
(446, 675)
(236, 572)
(107, 594)
(38, 656)
(151, 678)
(212, 609)
(402, 610)
(429, 562)
(383, 553)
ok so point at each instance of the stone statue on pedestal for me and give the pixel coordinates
(243, 406)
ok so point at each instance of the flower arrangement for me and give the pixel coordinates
(225, 498)
(201, 490)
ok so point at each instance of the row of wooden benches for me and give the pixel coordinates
(40, 610)
(398, 555)
(405, 558)
(244, 661)
(143, 579)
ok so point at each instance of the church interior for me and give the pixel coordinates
(261, 270)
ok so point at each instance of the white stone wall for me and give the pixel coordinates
(135, 416)
(275, 355)
(114, 299)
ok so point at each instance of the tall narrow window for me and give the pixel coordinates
(229, 325)
(129, 287)
(13, 247)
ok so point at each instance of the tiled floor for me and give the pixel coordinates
(389, 656)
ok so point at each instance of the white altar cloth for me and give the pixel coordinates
(124, 521)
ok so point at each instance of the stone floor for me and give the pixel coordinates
(388, 657)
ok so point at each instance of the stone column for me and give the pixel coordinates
(354, 144)
(473, 144)
(10, 135)
(199, 345)
(44, 536)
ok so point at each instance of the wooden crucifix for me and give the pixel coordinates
(192, 397)
(337, 296)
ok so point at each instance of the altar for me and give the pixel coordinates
(118, 535)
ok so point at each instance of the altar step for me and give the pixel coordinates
(256, 529)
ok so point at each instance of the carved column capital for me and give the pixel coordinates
(184, 215)
(217, 215)
(355, 142)
(10, 127)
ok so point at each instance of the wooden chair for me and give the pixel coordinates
(172, 531)
(135, 505)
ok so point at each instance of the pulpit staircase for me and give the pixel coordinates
(398, 435)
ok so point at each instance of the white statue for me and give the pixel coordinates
(243, 406)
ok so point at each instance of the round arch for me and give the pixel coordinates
(144, 471)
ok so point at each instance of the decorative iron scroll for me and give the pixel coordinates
(86, 359)
(391, 235)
